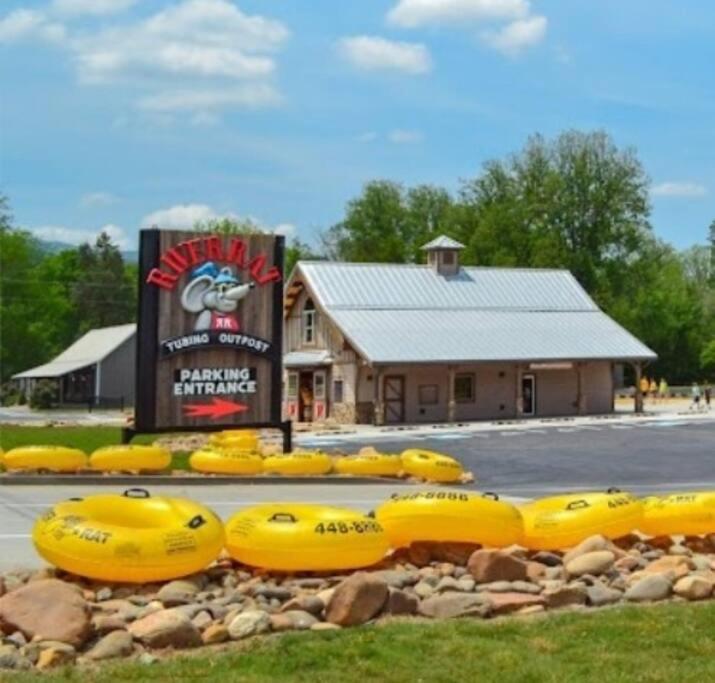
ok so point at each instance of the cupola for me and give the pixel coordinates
(443, 255)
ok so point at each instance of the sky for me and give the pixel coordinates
(122, 114)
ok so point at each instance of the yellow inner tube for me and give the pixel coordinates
(246, 439)
(226, 462)
(687, 513)
(431, 466)
(130, 458)
(564, 521)
(368, 464)
(295, 537)
(452, 516)
(132, 538)
(298, 463)
(55, 458)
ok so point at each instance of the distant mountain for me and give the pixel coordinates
(53, 247)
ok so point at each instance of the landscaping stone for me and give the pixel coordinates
(167, 628)
(249, 623)
(293, 620)
(270, 592)
(693, 588)
(525, 587)
(325, 626)
(547, 558)
(52, 657)
(216, 633)
(505, 603)
(114, 644)
(356, 600)
(676, 566)
(11, 658)
(589, 545)
(649, 589)
(202, 620)
(397, 578)
(451, 605)
(487, 566)
(594, 563)
(180, 592)
(535, 571)
(308, 603)
(49, 609)
(400, 602)
(565, 596)
(599, 595)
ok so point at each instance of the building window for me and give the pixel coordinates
(464, 388)
(428, 394)
(292, 385)
(309, 322)
(319, 386)
(337, 391)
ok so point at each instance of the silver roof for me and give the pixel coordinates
(411, 314)
(443, 242)
(92, 348)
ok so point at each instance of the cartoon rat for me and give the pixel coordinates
(214, 294)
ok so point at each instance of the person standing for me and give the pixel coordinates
(644, 386)
(663, 389)
(695, 394)
(706, 392)
(653, 389)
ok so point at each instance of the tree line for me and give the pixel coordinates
(576, 202)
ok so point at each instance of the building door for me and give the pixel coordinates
(305, 397)
(320, 402)
(394, 397)
(528, 395)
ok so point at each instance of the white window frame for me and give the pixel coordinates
(338, 381)
(320, 380)
(308, 320)
(292, 385)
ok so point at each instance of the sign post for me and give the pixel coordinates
(209, 334)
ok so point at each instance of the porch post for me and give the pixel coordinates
(580, 397)
(451, 402)
(518, 399)
(638, 396)
(378, 393)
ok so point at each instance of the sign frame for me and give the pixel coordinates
(148, 354)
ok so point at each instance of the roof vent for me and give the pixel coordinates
(443, 255)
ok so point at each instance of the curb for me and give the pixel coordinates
(164, 480)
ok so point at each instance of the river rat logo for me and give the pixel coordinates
(214, 294)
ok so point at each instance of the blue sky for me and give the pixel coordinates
(122, 113)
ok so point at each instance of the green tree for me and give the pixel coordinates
(103, 293)
(298, 251)
(707, 359)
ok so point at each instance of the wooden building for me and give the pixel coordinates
(383, 343)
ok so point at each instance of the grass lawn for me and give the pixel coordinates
(87, 439)
(670, 643)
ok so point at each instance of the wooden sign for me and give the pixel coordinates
(209, 338)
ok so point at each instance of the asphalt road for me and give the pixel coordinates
(643, 457)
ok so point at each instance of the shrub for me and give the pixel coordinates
(9, 394)
(43, 395)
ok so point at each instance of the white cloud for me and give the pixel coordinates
(288, 230)
(414, 13)
(400, 136)
(375, 53)
(248, 96)
(24, 24)
(513, 38)
(93, 199)
(181, 216)
(674, 188)
(76, 236)
(92, 7)
(192, 46)
(367, 136)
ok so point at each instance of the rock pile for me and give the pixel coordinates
(47, 619)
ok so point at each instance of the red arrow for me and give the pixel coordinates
(218, 408)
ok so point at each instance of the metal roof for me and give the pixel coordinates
(382, 286)
(296, 359)
(89, 349)
(412, 336)
(443, 242)
(411, 314)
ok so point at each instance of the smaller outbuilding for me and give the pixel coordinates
(97, 368)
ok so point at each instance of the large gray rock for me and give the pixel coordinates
(594, 563)
(451, 605)
(599, 595)
(590, 545)
(565, 596)
(356, 600)
(166, 628)
(179, 592)
(47, 609)
(114, 644)
(487, 566)
(400, 603)
(308, 603)
(649, 589)
(249, 623)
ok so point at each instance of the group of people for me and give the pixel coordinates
(659, 391)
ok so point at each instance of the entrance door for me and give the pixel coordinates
(528, 395)
(394, 396)
(305, 397)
